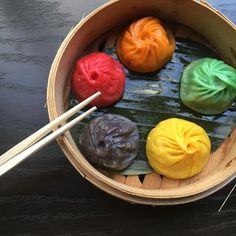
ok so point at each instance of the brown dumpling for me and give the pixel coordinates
(110, 141)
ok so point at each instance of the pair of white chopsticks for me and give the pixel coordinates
(36, 141)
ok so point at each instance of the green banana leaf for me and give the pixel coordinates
(152, 97)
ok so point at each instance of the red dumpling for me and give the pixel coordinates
(98, 72)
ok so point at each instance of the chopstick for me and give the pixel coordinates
(33, 143)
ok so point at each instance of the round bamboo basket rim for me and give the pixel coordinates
(226, 173)
(133, 198)
(95, 176)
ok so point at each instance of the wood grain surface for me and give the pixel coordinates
(45, 195)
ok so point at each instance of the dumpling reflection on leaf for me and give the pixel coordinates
(146, 45)
(208, 86)
(177, 148)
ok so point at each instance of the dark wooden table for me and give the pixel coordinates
(45, 195)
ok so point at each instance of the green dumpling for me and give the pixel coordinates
(208, 86)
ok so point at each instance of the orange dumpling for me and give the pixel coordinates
(146, 45)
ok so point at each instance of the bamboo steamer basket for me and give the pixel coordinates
(196, 20)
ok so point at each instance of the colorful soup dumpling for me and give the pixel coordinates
(146, 46)
(208, 86)
(110, 141)
(98, 72)
(177, 148)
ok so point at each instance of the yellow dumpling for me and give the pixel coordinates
(177, 148)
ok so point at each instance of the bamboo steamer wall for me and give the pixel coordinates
(200, 17)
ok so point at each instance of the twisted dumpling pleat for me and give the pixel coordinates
(208, 86)
(98, 72)
(146, 45)
(177, 148)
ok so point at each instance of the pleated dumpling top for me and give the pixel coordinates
(146, 45)
(208, 86)
(178, 148)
